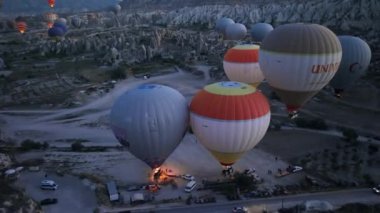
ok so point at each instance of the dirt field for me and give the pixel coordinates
(289, 144)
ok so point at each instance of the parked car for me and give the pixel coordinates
(188, 177)
(296, 169)
(133, 188)
(240, 209)
(48, 201)
(249, 171)
(376, 189)
(48, 184)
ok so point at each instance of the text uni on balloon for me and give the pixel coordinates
(322, 68)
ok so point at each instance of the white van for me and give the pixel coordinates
(48, 184)
(190, 186)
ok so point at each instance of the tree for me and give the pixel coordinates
(372, 149)
(28, 144)
(77, 146)
(350, 134)
(243, 181)
(312, 124)
(118, 73)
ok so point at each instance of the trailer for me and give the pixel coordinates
(112, 191)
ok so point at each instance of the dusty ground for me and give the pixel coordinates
(73, 194)
(288, 144)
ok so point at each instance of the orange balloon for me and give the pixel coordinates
(51, 3)
(21, 26)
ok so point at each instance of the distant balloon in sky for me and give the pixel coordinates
(50, 18)
(150, 121)
(260, 30)
(60, 25)
(235, 31)
(298, 60)
(356, 57)
(51, 3)
(116, 8)
(62, 21)
(241, 63)
(229, 119)
(221, 25)
(56, 32)
(76, 22)
(21, 26)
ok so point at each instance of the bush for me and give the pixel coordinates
(45, 145)
(244, 181)
(32, 162)
(27, 145)
(350, 134)
(118, 73)
(368, 180)
(372, 149)
(77, 146)
(318, 123)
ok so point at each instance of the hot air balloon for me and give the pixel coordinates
(235, 31)
(260, 30)
(241, 64)
(222, 24)
(356, 56)
(62, 26)
(116, 8)
(298, 60)
(21, 26)
(229, 118)
(150, 121)
(62, 21)
(51, 3)
(76, 22)
(56, 32)
(50, 18)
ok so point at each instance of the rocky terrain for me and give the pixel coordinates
(33, 6)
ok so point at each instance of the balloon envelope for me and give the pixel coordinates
(356, 56)
(150, 120)
(298, 60)
(235, 31)
(260, 30)
(60, 25)
(55, 32)
(62, 21)
(241, 63)
(21, 26)
(222, 23)
(115, 8)
(50, 18)
(229, 119)
(76, 22)
(51, 3)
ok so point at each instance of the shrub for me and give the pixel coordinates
(243, 181)
(118, 73)
(32, 162)
(28, 144)
(45, 145)
(350, 134)
(368, 180)
(318, 123)
(77, 146)
(372, 149)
